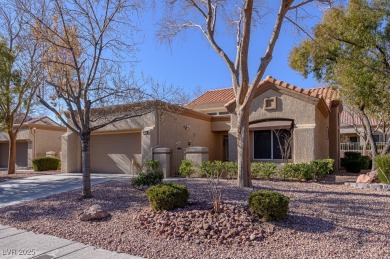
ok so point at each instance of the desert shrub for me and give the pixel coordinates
(352, 155)
(269, 205)
(231, 169)
(382, 163)
(150, 174)
(46, 163)
(167, 196)
(354, 162)
(263, 170)
(187, 168)
(321, 168)
(353, 166)
(213, 168)
(366, 162)
(301, 171)
(152, 165)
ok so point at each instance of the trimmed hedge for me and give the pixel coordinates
(300, 171)
(269, 205)
(354, 162)
(167, 196)
(263, 170)
(383, 168)
(46, 164)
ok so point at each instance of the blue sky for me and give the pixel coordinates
(191, 63)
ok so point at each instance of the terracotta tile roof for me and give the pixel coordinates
(352, 118)
(223, 95)
(227, 94)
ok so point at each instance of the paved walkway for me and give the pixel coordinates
(15, 243)
(17, 191)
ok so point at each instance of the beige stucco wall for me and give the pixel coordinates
(321, 136)
(70, 153)
(46, 140)
(302, 110)
(174, 135)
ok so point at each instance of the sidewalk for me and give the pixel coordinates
(17, 191)
(21, 244)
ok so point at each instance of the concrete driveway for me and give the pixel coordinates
(17, 191)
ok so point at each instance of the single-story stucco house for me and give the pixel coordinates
(207, 126)
(36, 137)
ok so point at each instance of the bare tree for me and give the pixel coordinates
(19, 75)
(285, 141)
(87, 46)
(209, 16)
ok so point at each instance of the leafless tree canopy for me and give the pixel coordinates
(88, 49)
(241, 17)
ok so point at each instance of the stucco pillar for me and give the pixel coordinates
(70, 153)
(304, 143)
(163, 155)
(232, 145)
(29, 154)
(147, 142)
(197, 154)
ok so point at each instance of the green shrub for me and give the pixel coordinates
(366, 162)
(214, 169)
(321, 168)
(151, 176)
(350, 155)
(301, 171)
(167, 196)
(187, 168)
(46, 163)
(353, 166)
(383, 166)
(231, 169)
(354, 162)
(263, 170)
(269, 205)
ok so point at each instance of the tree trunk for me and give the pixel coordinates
(85, 164)
(370, 137)
(243, 156)
(12, 152)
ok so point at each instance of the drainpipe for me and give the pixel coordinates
(157, 123)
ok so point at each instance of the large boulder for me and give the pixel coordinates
(94, 212)
(367, 178)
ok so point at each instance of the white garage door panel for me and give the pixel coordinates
(113, 153)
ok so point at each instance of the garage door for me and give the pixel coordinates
(21, 155)
(113, 153)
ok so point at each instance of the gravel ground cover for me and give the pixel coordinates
(20, 174)
(325, 221)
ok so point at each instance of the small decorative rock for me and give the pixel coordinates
(93, 212)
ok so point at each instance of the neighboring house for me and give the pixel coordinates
(353, 136)
(36, 137)
(311, 115)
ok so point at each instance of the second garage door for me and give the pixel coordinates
(112, 154)
(21, 155)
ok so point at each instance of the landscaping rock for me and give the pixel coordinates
(367, 178)
(94, 212)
